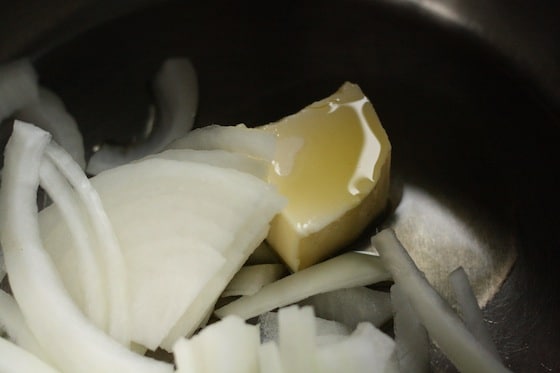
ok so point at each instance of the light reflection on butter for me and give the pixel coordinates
(440, 240)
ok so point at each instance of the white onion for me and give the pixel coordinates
(50, 114)
(437, 316)
(18, 86)
(72, 342)
(469, 309)
(343, 271)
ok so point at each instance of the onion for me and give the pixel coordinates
(239, 139)
(12, 321)
(249, 279)
(50, 114)
(351, 306)
(18, 86)
(16, 360)
(72, 342)
(442, 323)
(411, 339)
(343, 271)
(469, 310)
(176, 91)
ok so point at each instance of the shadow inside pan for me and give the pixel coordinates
(474, 148)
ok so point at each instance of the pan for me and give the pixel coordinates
(468, 92)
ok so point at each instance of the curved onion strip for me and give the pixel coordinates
(11, 319)
(240, 139)
(352, 306)
(110, 251)
(16, 360)
(412, 344)
(249, 279)
(50, 114)
(343, 271)
(176, 92)
(469, 310)
(18, 86)
(70, 340)
(91, 282)
(441, 322)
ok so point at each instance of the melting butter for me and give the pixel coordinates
(337, 181)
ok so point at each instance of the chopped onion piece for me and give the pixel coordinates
(220, 158)
(296, 339)
(18, 86)
(239, 139)
(176, 91)
(352, 306)
(50, 114)
(249, 279)
(437, 316)
(16, 360)
(412, 343)
(269, 358)
(88, 290)
(343, 271)
(327, 331)
(231, 346)
(367, 349)
(469, 310)
(72, 342)
(12, 321)
(111, 255)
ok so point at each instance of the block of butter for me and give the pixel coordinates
(338, 180)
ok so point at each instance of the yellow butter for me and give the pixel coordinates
(338, 181)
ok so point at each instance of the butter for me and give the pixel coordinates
(338, 180)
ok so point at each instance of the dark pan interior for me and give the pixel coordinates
(467, 125)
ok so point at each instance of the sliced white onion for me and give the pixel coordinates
(12, 321)
(442, 323)
(239, 139)
(269, 358)
(327, 331)
(230, 346)
(176, 91)
(18, 86)
(72, 342)
(249, 279)
(88, 290)
(411, 339)
(50, 114)
(367, 349)
(16, 360)
(343, 271)
(111, 255)
(220, 158)
(296, 339)
(352, 306)
(469, 309)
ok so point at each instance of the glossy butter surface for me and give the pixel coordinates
(338, 181)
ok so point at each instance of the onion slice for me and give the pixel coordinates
(249, 279)
(12, 321)
(343, 271)
(469, 310)
(72, 342)
(351, 306)
(18, 86)
(176, 91)
(50, 114)
(442, 323)
(16, 360)
(412, 344)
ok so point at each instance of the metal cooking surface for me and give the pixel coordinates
(474, 146)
